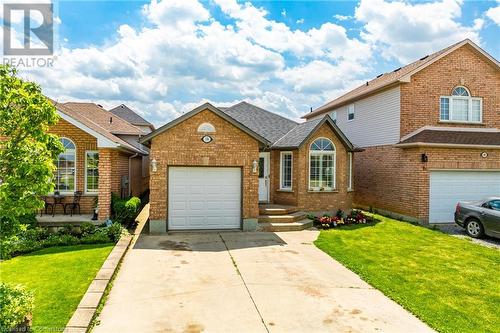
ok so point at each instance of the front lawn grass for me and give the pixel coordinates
(451, 284)
(58, 276)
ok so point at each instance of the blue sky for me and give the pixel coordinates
(164, 58)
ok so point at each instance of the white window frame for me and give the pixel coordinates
(324, 152)
(76, 169)
(349, 108)
(470, 99)
(283, 188)
(349, 172)
(85, 170)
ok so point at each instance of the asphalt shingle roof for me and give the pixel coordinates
(267, 124)
(129, 115)
(455, 137)
(297, 135)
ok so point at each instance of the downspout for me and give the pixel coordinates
(130, 172)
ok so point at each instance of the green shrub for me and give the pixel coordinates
(15, 305)
(125, 210)
(87, 228)
(115, 231)
(99, 237)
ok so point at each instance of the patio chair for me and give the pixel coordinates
(47, 204)
(58, 200)
(75, 204)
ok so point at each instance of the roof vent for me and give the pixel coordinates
(367, 83)
(110, 120)
(380, 75)
(99, 105)
(311, 109)
(397, 69)
(424, 57)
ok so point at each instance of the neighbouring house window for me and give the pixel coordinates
(349, 171)
(65, 174)
(461, 107)
(91, 171)
(286, 161)
(333, 115)
(350, 112)
(322, 165)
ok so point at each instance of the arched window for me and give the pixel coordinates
(461, 107)
(206, 128)
(65, 175)
(460, 91)
(322, 165)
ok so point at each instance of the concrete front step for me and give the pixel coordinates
(286, 218)
(272, 209)
(293, 226)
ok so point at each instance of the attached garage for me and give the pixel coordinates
(201, 198)
(449, 187)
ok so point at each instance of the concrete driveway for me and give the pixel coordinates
(244, 282)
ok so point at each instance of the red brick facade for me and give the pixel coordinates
(394, 179)
(300, 195)
(181, 145)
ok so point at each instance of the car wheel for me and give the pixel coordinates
(474, 228)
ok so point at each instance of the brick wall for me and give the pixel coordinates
(464, 67)
(83, 142)
(181, 145)
(300, 195)
(396, 180)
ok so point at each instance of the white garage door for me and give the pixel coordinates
(449, 187)
(204, 198)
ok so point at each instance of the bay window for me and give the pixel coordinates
(460, 107)
(286, 160)
(322, 165)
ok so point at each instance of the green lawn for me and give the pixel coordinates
(452, 284)
(59, 276)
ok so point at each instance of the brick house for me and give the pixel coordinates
(430, 133)
(211, 167)
(102, 156)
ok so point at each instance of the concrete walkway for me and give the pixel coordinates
(244, 282)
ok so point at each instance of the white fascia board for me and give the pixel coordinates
(102, 141)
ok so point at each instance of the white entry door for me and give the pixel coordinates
(449, 187)
(204, 198)
(264, 177)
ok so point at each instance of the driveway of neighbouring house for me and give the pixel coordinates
(244, 282)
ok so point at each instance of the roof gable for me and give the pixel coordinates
(296, 137)
(399, 75)
(203, 107)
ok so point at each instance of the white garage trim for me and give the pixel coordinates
(447, 187)
(204, 198)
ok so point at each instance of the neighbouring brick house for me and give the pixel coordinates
(102, 156)
(212, 167)
(430, 133)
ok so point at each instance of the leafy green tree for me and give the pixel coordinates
(27, 150)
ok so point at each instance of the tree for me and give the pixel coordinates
(27, 150)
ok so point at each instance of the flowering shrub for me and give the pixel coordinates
(326, 221)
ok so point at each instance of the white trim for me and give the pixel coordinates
(102, 141)
(469, 100)
(85, 171)
(323, 152)
(281, 170)
(349, 178)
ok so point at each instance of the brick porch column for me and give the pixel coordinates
(104, 183)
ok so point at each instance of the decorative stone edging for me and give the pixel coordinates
(82, 317)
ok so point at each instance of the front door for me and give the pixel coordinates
(264, 177)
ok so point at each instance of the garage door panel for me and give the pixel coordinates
(448, 187)
(204, 198)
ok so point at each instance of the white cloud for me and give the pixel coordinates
(283, 13)
(494, 14)
(300, 21)
(342, 17)
(405, 31)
